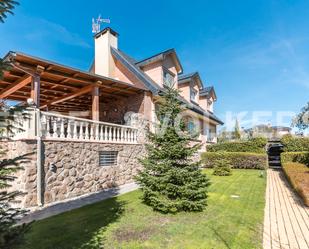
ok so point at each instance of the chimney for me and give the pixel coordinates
(104, 62)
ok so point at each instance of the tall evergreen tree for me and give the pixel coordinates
(9, 215)
(6, 7)
(10, 234)
(170, 180)
(237, 133)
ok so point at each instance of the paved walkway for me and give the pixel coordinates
(78, 202)
(286, 221)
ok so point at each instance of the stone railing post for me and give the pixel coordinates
(137, 120)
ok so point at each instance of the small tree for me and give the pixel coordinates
(222, 167)
(237, 133)
(170, 180)
(301, 121)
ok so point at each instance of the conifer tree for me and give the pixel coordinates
(170, 180)
(237, 133)
(9, 215)
(6, 7)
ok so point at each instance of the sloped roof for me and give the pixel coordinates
(162, 56)
(183, 78)
(131, 65)
(128, 63)
(207, 91)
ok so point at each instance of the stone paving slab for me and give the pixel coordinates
(286, 220)
(81, 201)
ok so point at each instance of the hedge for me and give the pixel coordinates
(297, 157)
(255, 145)
(239, 160)
(291, 143)
(297, 175)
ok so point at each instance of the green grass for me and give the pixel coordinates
(124, 222)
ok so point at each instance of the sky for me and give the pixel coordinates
(255, 53)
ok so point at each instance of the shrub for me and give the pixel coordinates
(255, 145)
(291, 143)
(222, 167)
(239, 160)
(296, 157)
(298, 176)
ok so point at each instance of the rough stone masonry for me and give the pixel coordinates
(71, 169)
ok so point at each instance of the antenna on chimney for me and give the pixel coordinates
(96, 24)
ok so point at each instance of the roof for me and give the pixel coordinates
(184, 78)
(57, 81)
(128, 63)
(201, 111)
(207, 91)
(162, 56)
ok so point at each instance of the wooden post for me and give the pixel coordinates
(95, 103)
(35, 90)
(35, 86)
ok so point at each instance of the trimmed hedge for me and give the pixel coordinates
(291, 143)
(238, 160)
(298, 176)
(296, 157)
(255, 145)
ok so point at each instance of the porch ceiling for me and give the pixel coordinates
(62, 88)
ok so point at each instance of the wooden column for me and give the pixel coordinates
(96, 103)
(35, 90)
(35, 86)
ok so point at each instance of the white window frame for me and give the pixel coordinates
(168, 82)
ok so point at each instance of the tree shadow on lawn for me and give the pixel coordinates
(80, 228)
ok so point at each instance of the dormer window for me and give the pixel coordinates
(168, 78)
(193, 94)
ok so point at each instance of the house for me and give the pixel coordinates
(268, 131)
(79, 128)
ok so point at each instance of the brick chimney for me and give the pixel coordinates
(104, 62)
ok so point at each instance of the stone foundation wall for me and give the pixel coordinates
(25, 181)
(77, 171)
(71, 169)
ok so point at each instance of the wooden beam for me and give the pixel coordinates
(75, 94)
(95, 103)
(20, 83)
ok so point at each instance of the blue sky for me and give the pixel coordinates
(255, 53)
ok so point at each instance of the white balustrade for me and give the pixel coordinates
(61, 127)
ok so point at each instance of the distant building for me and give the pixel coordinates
(267, 131)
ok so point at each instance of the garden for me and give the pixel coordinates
(232, 219)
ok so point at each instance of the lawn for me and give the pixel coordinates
(233, 219)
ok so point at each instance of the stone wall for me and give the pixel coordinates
(71, 169)
(25, 181)
(77, 171)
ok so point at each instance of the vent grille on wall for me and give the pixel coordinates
(108, 158)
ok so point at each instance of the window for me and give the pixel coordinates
(168, 78)
(193, 94)
(108, 158)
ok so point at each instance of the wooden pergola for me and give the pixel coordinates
(55, 87)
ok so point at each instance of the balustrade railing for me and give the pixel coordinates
(55, 126)
(60, 127)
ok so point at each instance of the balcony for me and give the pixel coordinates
(51, 126)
